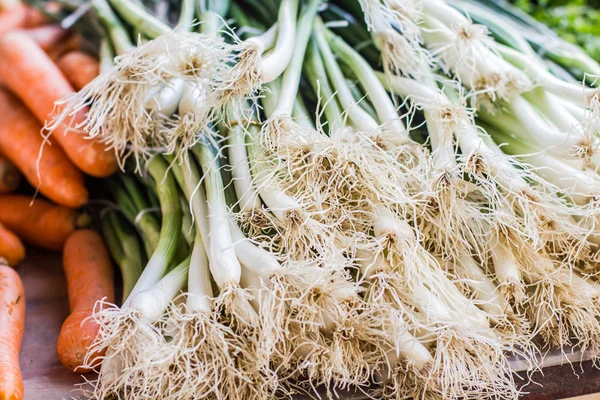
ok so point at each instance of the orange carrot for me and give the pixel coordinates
(10, 177)
(79, 68)
(12, 326)
(20, 141)
(89, 275)
(73, 42)
(32, 76)
(40, 222)
(11, 247)
(13, 18)
(36, 17)
(47, 36)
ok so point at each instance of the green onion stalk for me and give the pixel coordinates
(497, 73)
(280, 139)
(311, 279)
(534, 205)
(524, 203)
(156, 92)
(161, 93)
(297, 234)
(129, 334)
(388, 261)
(211, 330)
(567, 125)
(561, 127)
(504, 19)
(393, 26)
(539, 114)
(124, 246)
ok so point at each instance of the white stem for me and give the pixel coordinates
(277, 61)
(278, 202)
(553, 110)
(196, 194)
(484, 289)
(505, 266)
(152, 302)
(441, 143)
(387, 224)
(275, 198)
(254, 258)
(266, 40)
(240, 169)
(575, 93)
(192, 99)
(410, 349)
(359, 117)
(224, 265)
(577, 111)
(200, 292)
(431, 306)
(405, 87)
(449, 16)
(577, 184)
(385, 108)
(538, 130)
(253, 284)
(166, 99)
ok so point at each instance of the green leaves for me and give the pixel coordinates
(577, 21)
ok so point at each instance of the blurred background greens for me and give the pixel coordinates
(577, 21)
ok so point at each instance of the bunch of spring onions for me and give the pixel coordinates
(311, 219)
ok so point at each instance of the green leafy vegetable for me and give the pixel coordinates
(577, 21)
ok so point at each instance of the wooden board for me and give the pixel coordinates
(44, 377)
(47, 306)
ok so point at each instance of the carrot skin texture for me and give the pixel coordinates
(11, 247)
(77, 334)
(20, 140)
(32, 75)
(79, 68)
(12, 326)
(88, 269)
(13, 18)
(10, 177)
(89, 275)
(40, 222)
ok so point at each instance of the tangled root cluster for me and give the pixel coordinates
(119, 105)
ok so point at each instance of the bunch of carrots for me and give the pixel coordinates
(40, 63)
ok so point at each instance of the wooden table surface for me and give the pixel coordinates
(47, 306)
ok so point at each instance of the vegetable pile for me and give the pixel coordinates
(387, 196)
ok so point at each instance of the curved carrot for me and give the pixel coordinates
(13, 18)
(12, 326)
(79, 68)
(40, 222)
(11, 247)
(89, 275)
(20, 141)
(47, 36)
(32, 76)
(10, 177)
